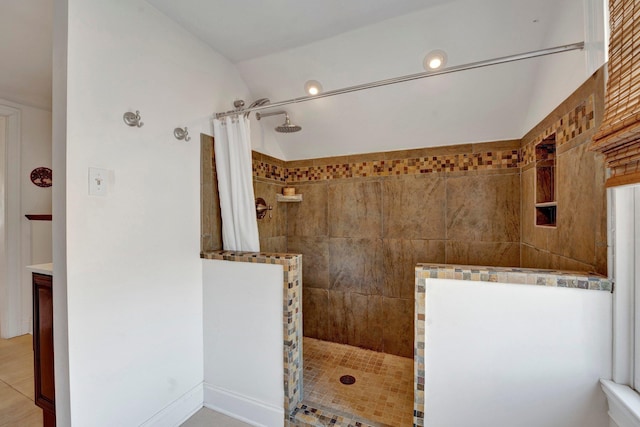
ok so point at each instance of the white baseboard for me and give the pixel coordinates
(27, 325)
(242, 408)
(179, 410)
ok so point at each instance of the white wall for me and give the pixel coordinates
(243, 341)
(130, 269)
(35, 151)
(59, 211)
(556, 80)
(515, 355)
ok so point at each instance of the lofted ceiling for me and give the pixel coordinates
(26, 51)
(247, 29)
(278, 45)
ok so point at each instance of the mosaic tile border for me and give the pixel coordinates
(412, 166)
(309, 415)
(292, 315)
(262, 169)
(488, 160)
(571, 125)
(525, 276)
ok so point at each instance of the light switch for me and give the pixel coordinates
(98, 181)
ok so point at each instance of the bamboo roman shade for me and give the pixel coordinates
(618, 137)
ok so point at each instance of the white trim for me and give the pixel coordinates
(178, 411)
(624, 404)
(242, 408)
(595, 41)
(10, 227)
(621, 200)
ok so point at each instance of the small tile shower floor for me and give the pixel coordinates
(382, 393)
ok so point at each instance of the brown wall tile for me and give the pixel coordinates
(579, 238)
(483, 253)
(484, 208)
(340, 316)
(315, 313)
(576, 205)
(413, 208)
(315, 259)
(569, 264)
(355, 209)
(309, 218)
(398, 331)
(400, 259)
(274, 222)
(532, 257)
(355, 265)
(210, 217)
(274, 244)
(368, 319)
(356, 319)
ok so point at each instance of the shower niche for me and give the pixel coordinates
(545, 181)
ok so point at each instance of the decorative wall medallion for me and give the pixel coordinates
(41, 177)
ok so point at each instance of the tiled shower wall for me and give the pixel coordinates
(273, 227)
(367, 220)
(579, 241)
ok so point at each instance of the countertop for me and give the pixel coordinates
(41, 268)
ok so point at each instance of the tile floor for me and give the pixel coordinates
(16, 384)
(382, 393)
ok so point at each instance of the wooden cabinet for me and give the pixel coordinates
(43, 347)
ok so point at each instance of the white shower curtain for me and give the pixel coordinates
(232, 151)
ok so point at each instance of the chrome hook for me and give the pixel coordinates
(181, 134)
(132, 119)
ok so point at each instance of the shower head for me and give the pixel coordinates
(286, 127)
(257, 103)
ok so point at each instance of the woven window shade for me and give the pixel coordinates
(618, 137)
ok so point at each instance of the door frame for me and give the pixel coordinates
(10, 226)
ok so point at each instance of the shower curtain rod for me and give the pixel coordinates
(394, 80)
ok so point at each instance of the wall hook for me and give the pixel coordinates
(181, 134)
(132, 119)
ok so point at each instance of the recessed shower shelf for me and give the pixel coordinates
(289, 199)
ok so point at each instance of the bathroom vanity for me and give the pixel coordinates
(42, 282)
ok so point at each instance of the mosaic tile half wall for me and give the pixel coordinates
(291, 315)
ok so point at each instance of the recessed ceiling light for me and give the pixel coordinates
(435, 60)
(313, 87)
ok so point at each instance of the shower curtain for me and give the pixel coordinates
(232, 148)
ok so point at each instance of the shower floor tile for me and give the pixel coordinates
(382, 393)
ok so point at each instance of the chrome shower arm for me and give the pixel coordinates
(272, 113)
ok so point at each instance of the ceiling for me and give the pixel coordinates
(247, 29)
(26, 51)
(277, 45)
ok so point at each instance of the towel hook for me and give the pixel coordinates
(132, 119)
(181, 134)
